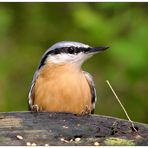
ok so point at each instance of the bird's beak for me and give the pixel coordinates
(98, 49)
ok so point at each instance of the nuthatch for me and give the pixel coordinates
(59, 84)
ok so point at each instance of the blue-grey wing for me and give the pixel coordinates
(92, 89)
(30, 96)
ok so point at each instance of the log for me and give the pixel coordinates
(65, 129)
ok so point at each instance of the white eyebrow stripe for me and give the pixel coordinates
(68, 44)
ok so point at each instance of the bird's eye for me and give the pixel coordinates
(77, 50)
(71, 50)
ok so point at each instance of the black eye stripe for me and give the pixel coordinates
(70, 50)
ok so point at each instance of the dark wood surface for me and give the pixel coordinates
(26, 128)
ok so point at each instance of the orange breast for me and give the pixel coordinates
(62, 88)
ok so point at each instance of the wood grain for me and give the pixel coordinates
(44, 128)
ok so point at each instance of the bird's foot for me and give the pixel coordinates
(35, 108)
(86, 111)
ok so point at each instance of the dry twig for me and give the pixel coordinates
(121, 105)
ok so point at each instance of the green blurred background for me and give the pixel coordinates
(28, 29)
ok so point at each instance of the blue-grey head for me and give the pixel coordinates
(69, 52)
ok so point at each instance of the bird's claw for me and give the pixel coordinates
(35, 108)
(86, 111)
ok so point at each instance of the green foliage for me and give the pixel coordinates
(28, 29)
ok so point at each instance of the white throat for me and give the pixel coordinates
(65, 58)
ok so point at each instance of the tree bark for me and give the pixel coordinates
(43, 128)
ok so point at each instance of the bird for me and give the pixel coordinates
(59, 83)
